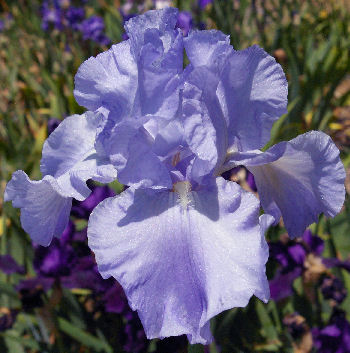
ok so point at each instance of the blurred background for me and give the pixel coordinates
(53, 299)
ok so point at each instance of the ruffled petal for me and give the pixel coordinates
(109, 80)
(250, 86)
(158, 49)
(69, 156)
(253, 95)
(158, 29)
(182, 257)
(204, 123)
(69, 159)
(139, 76)
(143, 168)
(130, 150)
(44, 211)
(199, 132)
(298, 179)
(208, 48)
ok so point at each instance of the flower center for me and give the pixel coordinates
(183, 190)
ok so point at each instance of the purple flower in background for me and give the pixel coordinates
(8, 265)
(184, 243)
(296, 325)
(58, 259)
(93, 28)
(7, 318)
(313, 243)
(184, 22)
(83, 209)
(333, 288)
(335, 337)
(52, 124)
(291, 256)
(74, 16)
(51, 15)
(2, 25)
(135, 339)
(203, 3)
(84, 274)
(62, 16)
(54, 261)
(115, 300)
(31, 290)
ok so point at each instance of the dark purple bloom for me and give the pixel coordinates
(314, 243)
(184, 22)
(333, 288)
(54, 261)
(52, 124)
(297, 253)
(68, 233)
(135, 338)
(2, 25)
(281, 284)
(335, 337)
(334, 262)
(204, 3)
(75, 16)
(51, 15)
(8, 265)
(93, 28)
(99, 193)
(31, 290)
(7, 318)
(291, 255)
(115, 300)
(296, 325)
(84, 274)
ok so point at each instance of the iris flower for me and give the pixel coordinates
(184, 243)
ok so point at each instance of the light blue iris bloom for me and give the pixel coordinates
(184, 243)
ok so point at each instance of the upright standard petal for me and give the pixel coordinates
(44, 211)
(253, 95)
(138, 76)
(208, 48)
(199, 132)
(251, 87)
(182, 257)
(298, 179)
(158, 50)
(109, 80)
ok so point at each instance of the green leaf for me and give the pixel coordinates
(195, 348)
(83, 337)
(13, 339)
(7, 288)
(268, 329)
